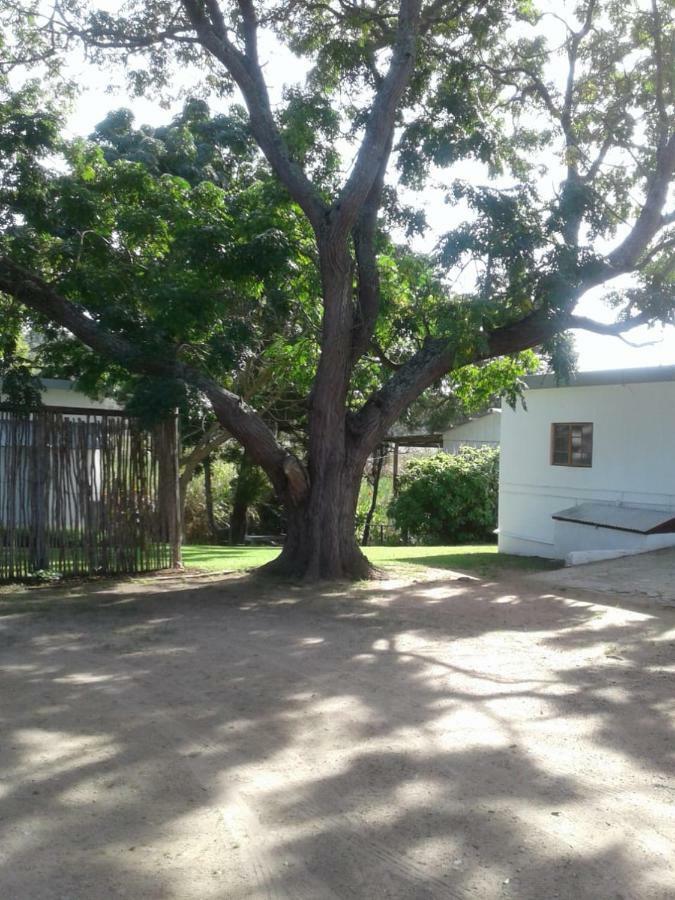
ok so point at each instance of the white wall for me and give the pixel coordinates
(633, 459)
(478, 430)
(62, 393)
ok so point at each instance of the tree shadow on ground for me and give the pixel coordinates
(490, 564)
(239, 740)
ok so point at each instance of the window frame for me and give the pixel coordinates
(570, 464)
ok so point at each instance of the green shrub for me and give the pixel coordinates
(449, 499)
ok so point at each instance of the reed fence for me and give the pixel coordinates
(86, 492)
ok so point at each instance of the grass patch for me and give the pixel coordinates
(480, 559)
(218, 559)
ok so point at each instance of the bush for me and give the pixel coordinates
(449, 499)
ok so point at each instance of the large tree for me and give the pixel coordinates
(421, 84)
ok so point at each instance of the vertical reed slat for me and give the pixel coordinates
(85, 493)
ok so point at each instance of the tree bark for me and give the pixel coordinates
(238, 522)
(320, 535)
(208, 502)
(321, 540)
(378, 462)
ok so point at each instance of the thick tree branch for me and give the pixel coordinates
(364, 235)
(371, 423)
(626, 256)
(232, 412)
(437, 358)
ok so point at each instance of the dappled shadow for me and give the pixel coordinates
(479, 562)
(239, 740)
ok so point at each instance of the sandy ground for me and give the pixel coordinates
(442, 739)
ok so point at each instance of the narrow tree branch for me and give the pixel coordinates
(614, 329)
(215, 437)
(626, 256)
(594, 167)
(246, 71)
(373, 153)
(382, 357)
(212, 438)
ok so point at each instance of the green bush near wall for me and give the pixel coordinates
(449, 498)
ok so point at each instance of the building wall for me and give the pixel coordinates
(481, 430)
(62, 393)
(633, 461)
(59, 392)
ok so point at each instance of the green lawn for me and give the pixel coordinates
(480, 559)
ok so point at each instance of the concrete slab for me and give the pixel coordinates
(646, 575)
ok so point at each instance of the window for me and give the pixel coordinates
(572, 444)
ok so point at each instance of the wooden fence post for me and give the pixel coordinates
(39, 556)
(175, 523)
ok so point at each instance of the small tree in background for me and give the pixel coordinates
(197, 527)
(449, 499)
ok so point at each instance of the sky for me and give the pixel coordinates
(640, 347)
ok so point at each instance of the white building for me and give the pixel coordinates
(589, 466)
(61, 393)
(481, 430)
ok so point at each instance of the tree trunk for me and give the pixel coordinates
(238, 522)
(240, 502)
(208, 501)
(378, 462)
(321, 535)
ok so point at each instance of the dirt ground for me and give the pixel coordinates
(226, 740)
